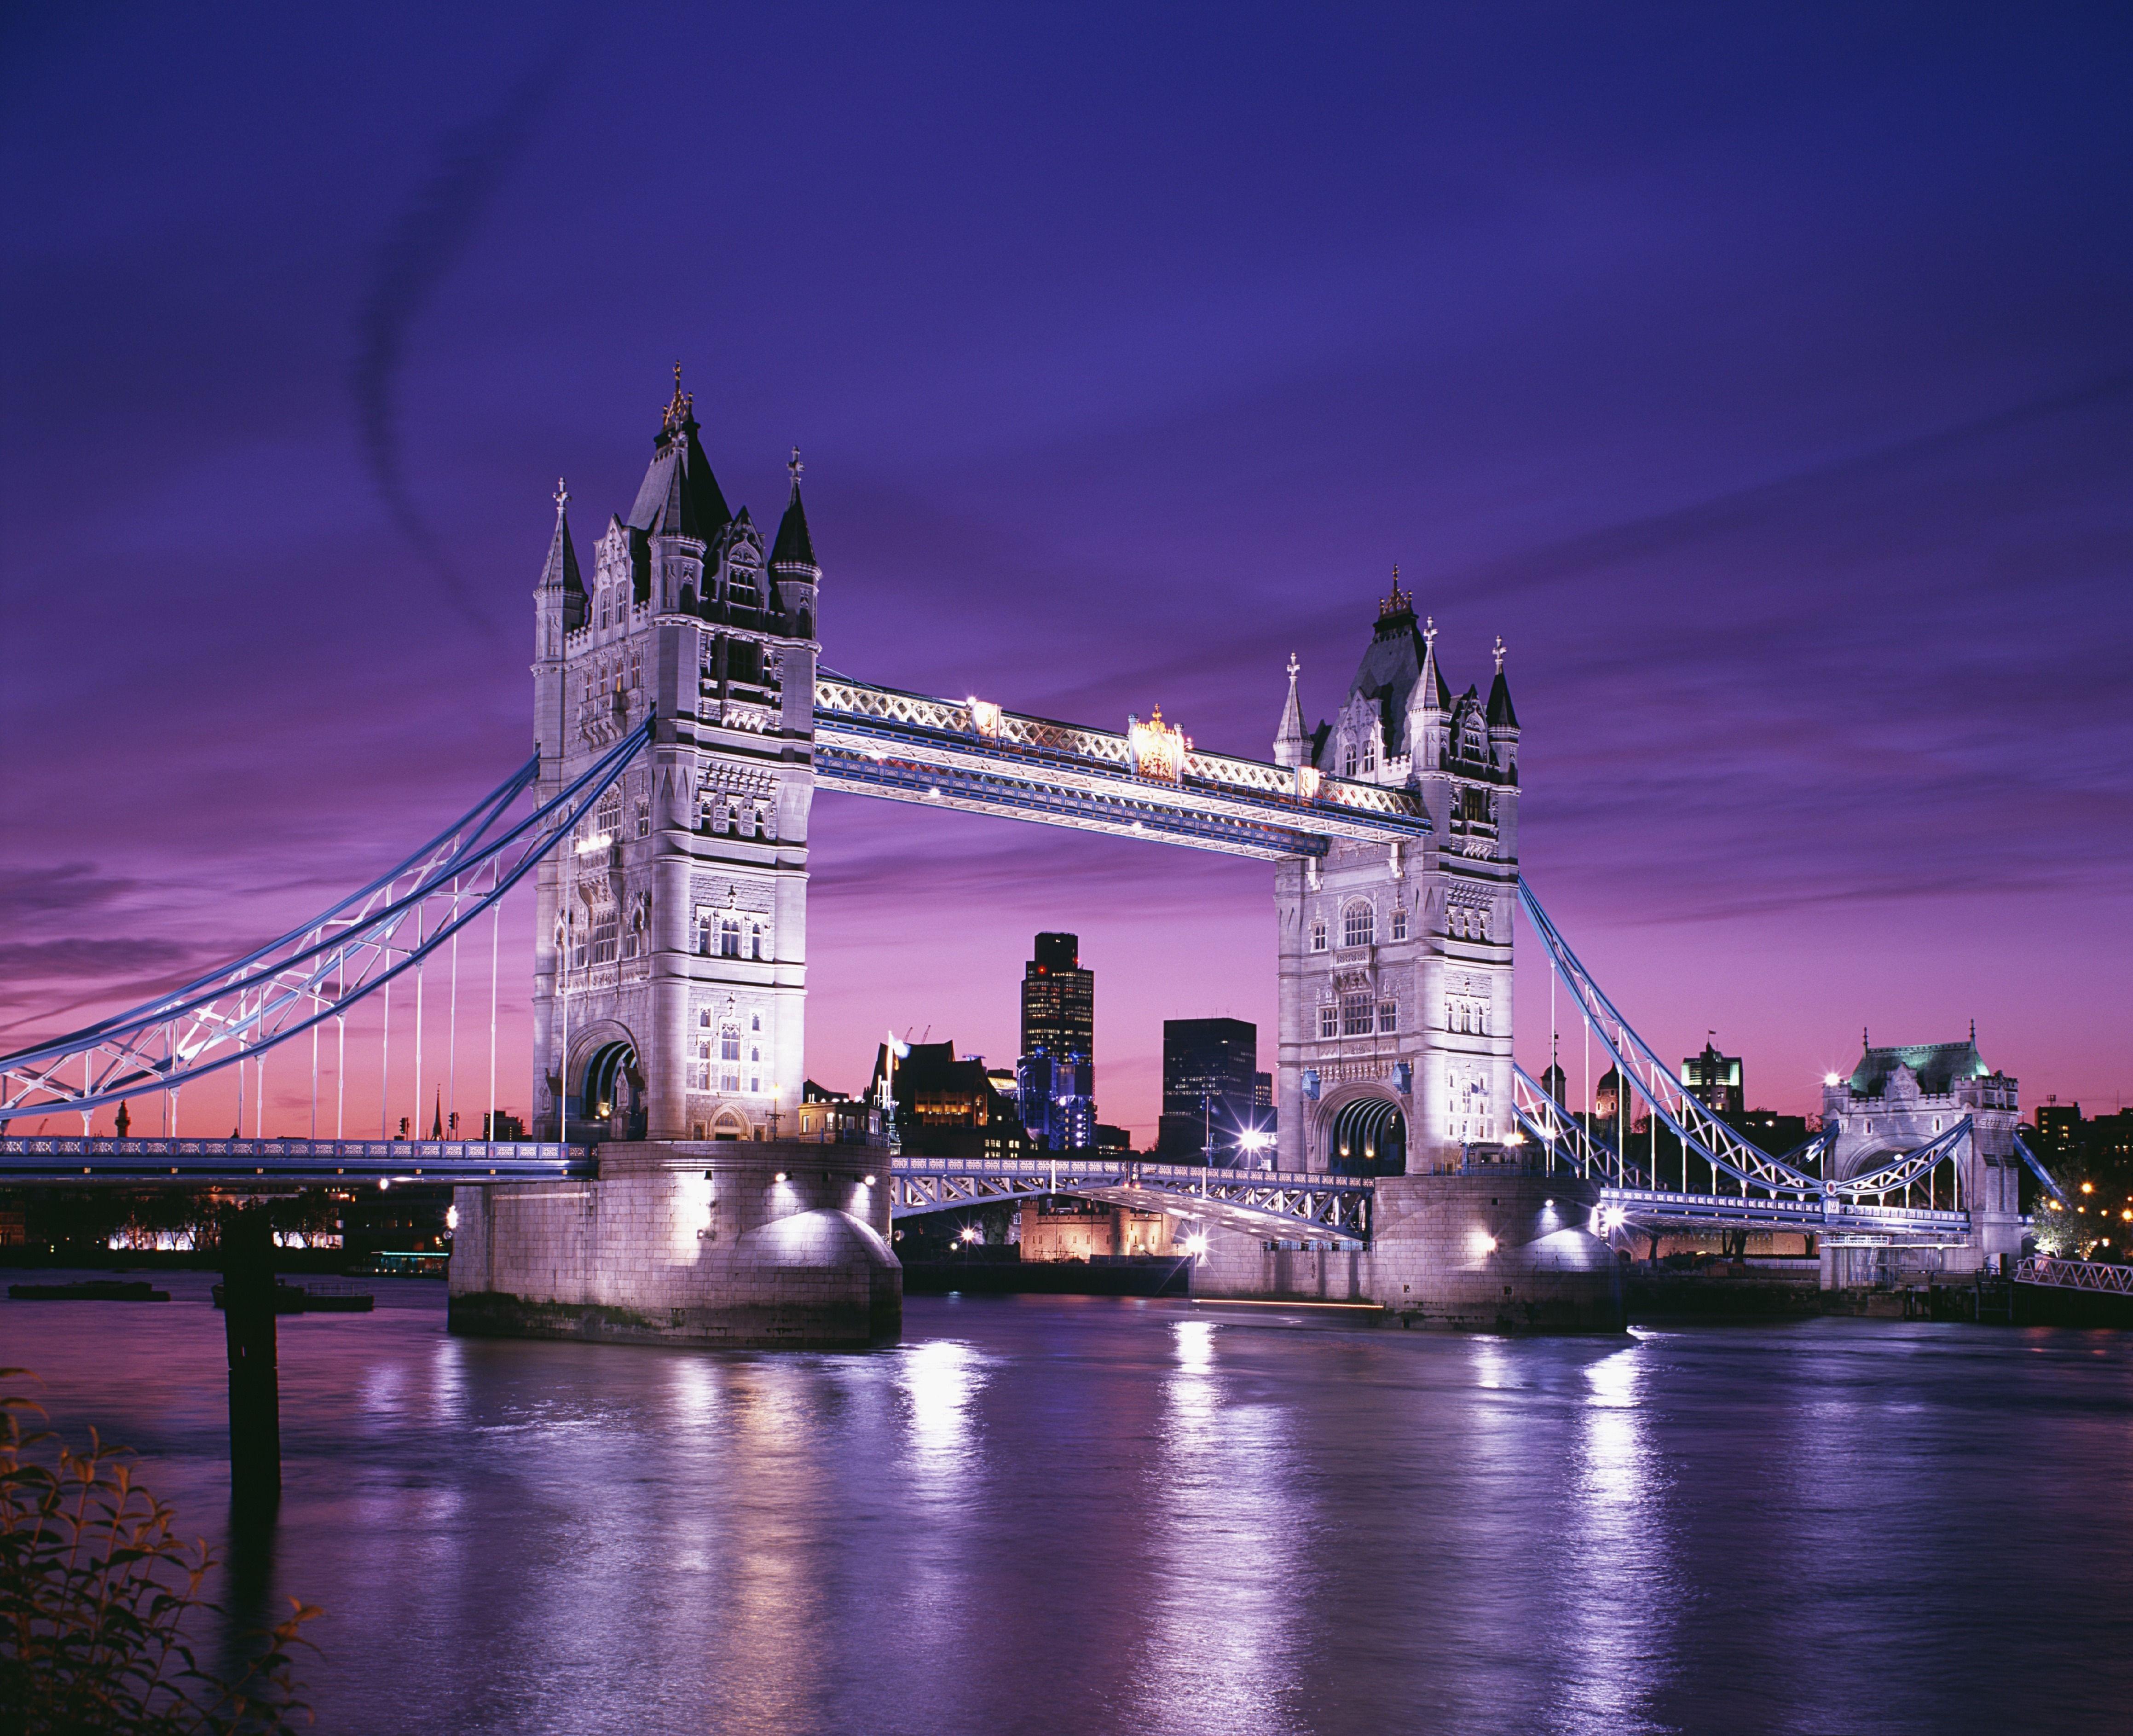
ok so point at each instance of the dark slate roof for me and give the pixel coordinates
(1501, 715)
(1388, 673)
(679, 496)
(1938, 1065)
(794, 546)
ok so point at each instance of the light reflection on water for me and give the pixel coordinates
(1069, 1516)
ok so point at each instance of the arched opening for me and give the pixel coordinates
(1368, 1137)
(614, 1091)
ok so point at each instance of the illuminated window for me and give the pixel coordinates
(1399, 923)
(1355, 1011)
(1318, 934)
(1358, 925)
(1329, 1022)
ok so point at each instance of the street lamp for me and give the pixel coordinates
(1254, 1141)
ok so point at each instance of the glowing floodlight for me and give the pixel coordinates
(1195, 1245)
(1831, 1078)
(985, 717)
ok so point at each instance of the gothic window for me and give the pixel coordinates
(762, 820)
(577, 943)
(644, 817)
(755, 1023)
(636, 670)
(704, 927)
(1355, 1011)
(1318, 934)
(1387, 1015)
(607, 928)
(730, 937)
(1329, 1022)
(1358, 925)
(1348, 758)
(1399, 923)
(740, 586)
(756, 949)
(604, 597)
(729, 1056)
(700, 1070)
(606, 821)
(717, 811)
(1369, 749)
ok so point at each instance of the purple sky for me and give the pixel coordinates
(1764, 378)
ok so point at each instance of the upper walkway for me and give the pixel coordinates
(1149, 782)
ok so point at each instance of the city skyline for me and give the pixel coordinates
(1801, 512)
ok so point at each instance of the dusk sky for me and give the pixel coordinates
(1764, 378)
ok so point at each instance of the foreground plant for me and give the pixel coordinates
(96, 1588)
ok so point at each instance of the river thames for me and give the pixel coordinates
(1058, 1514)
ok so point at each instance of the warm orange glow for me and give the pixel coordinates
(1158, 749)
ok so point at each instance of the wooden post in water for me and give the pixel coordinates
(255, 1395)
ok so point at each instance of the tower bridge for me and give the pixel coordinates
(685, 724)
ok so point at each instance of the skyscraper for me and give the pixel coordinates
(1057, 1073)
(1210, 1073)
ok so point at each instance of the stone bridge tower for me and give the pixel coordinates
(671, 951)
(1395, 963)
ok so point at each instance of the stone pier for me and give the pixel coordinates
(1504, 1253)
(780, 1245)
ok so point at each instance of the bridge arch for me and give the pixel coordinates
(1362, 1130)
(606, 1085)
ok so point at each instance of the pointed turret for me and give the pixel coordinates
(1429, 710)
(1503, 721)
(1289, 741)
(1501, 714)
(794, 548)
(560, 571)
(559, 599)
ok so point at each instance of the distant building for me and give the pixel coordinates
(1716, 1081)
(1113, 1139)
(1210, 1079)
(1060, 1227)
(1263, 1105)
(946, 1106)
(1551, 1082)
(832, 1116)
(1055, 1078)
(2058, 1129)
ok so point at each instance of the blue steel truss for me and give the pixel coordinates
(295, 983)
(1679, 1110)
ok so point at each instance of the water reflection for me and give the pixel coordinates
(1223, 1532)
(1044, 1517)
(1618, 1618)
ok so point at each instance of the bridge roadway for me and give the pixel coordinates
(1263, 1203)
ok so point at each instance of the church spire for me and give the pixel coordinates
(1289, 740)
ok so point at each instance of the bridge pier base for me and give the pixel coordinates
(743, 1244)
(1510, 1252)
